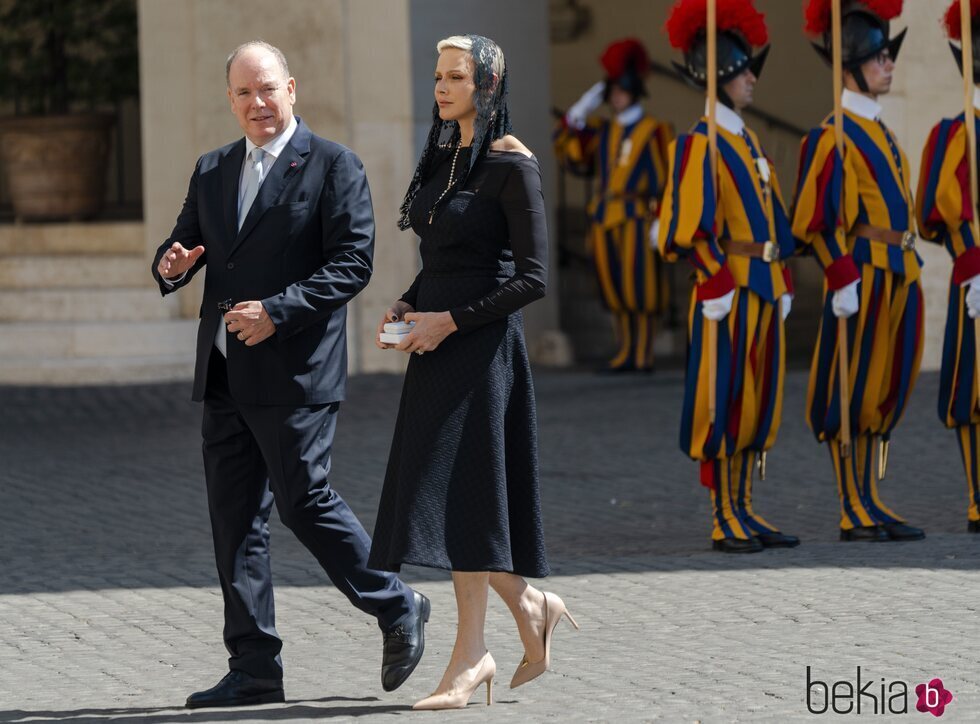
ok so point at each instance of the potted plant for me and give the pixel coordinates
(62, 64)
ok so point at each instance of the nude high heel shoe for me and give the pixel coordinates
(459, 698)
(554, 609)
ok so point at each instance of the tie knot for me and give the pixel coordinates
(258, 155)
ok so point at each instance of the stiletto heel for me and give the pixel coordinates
(460, 697)
(554, 609)
(570, 619)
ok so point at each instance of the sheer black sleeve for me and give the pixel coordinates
(523, 207)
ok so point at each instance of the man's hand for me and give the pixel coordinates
(429, 331)
(178, 260)
(395, 313)
(251, 322)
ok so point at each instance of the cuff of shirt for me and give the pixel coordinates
(788, 281)
(716, 286)
(841, 272)
(967, 265)
(175, 281)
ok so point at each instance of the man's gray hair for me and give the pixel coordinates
(280, 58)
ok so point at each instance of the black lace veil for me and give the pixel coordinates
(492, 122)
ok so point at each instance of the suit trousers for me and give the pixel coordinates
(255, 455)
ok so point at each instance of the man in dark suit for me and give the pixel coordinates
(283, 221)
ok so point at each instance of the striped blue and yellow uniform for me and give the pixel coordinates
(871, 187)
(750, 351)
(630, 165)
(946, 216)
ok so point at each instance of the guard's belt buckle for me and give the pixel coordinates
(908, 241)
(770, 252)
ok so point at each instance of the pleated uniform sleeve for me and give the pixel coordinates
(822, 215)
(942, 202)
(687, 216)
(575, 150)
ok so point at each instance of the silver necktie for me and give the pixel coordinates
(253, 177)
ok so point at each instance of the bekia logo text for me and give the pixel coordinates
(868, 695)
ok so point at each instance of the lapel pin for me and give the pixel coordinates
(292, 164)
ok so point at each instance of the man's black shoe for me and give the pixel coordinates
(775, 539)
(973, 526)
(238, 689)
(901, 531)
(867, 534)
(736, 545)
(404, 645)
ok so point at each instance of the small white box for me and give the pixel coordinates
(395, 332)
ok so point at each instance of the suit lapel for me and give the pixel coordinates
(287, 165)
(231, 171)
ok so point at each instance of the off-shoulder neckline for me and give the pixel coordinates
(519, 154)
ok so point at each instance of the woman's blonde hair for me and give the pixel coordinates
(465, 42)
(492, 117)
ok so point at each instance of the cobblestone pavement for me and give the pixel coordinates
(109, 607)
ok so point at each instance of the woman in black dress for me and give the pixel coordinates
(461, 488)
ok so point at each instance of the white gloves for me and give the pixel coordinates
(785, 304)
(717, 309)
(586, 105)
(845, 301)
(972, 296)
(654, 235)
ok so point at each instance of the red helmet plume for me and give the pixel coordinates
(817, 12)
(951, 20)
(623, 56)
(689, 17)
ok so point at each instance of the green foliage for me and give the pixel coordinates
(61, 56)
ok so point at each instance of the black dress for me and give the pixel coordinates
(461, 488)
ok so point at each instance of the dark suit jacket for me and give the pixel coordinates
(304, 251)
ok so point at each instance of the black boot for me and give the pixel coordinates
(868, 534)
(775, 539)
(737, 545)
(901, 531)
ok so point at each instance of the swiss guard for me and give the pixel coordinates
(857, 216)
(627, 153)
(946, 215)
(732, 227)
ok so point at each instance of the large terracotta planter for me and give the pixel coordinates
(55, 166)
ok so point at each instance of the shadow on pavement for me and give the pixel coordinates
(162, 715)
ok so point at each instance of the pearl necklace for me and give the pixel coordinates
(449, 184)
